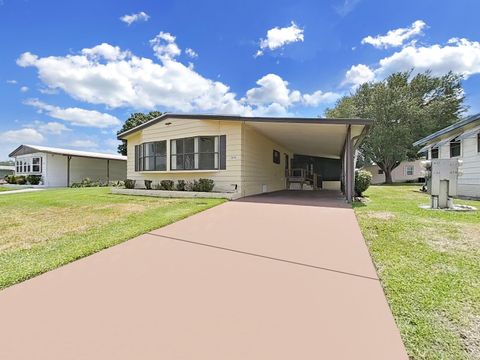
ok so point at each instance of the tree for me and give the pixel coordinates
(134, 120)
(405, 109)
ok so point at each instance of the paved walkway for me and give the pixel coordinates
(280, 276)
(19, 191)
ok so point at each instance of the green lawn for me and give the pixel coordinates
(429, 264)
(40, 231)
(3, 188)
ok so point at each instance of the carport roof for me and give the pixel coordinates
(29, 149)
(308, 120)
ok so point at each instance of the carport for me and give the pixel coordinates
(326, 138)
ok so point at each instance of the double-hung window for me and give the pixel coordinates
(36, 164)
(198, 153)
(151, 156)
(409, 170)
(455, 148)
(435, 153)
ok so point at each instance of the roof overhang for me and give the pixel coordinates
(308, 136)
(246, 119)
(314, 139)
(455, 130)
(31, 149)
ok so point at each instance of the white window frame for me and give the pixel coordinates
(407, 168)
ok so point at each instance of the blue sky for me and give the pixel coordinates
(72, 71)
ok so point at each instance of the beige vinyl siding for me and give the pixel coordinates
(259, 168)
(399, 174)
(225, 180)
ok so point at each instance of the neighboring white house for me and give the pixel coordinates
(407, 171)
(460, 140)
(245, 155)
(63, 167)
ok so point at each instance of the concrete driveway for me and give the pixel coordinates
(278, 276)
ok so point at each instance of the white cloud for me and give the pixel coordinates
(273, 109)
(397, 37)
(358, 74)
(106, 75)
(273, 97)
(130, 19)
(346, 7)
(272, 89)
(279, 37)
(52, 127)
(164, 46)
(458, 55)
(84, 144)
(131, 81)
(22, 136)
(320, 97)
(191, 53)
(105, 51)
(11, 81)
(76, 116)
(24, 89)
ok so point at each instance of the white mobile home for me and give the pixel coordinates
(246, 155)
(6, 170)
(63, 167)
(460, 140)
(407, 171)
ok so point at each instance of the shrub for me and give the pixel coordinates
(21, 180)
(167, 185)
(181, 185)
(117, 183)
(363, 179)
(34, 179)
(148, 184)
(203, 185)
(87, 182)
(130, 184)
(11, 179)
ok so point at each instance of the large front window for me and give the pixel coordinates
(29, 165)
(195, 153)
(151, 156)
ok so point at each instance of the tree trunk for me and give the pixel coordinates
(388, 176)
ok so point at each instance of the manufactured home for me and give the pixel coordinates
(407, 171)
(461, 141)
(246, 155)
(64, 167)
(6, 170)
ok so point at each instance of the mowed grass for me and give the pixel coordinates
(429, 264)
(40, 231)
(3, 188)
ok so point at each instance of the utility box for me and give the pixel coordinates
(442, 180)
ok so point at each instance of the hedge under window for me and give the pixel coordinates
(198, 153)
(151, 156)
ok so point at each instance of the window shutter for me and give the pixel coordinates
(223, 152)
(136, 158)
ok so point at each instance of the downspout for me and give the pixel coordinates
(108, 170)
(68, 170)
